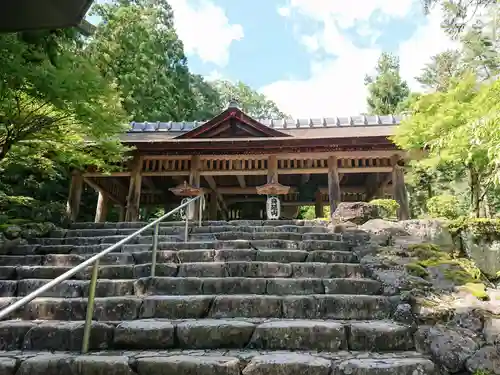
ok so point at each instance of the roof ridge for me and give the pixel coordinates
(283, 123)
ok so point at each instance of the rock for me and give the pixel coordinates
(299, 335)
(355, 212)
(217, 333)
(380, 336)
(144, 334)
(486, 359)
(430, 231)
(287, 364)
(404, 314)
(470, 319)
(386, 366)
(485, 253)
(67, 336)
(384, 227)
(491, 331)
(449, 347)
(186, 364)
(13, 232)
(7, 366)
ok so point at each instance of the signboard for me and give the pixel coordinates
(187, 211)
(273, 207)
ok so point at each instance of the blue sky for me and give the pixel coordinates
(310, 56)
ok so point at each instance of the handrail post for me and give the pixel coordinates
(200, 211)
(90, 308)
(186, 229)
(155, 249)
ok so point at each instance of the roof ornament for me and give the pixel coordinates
(233, 103)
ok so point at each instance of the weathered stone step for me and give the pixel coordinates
(177, 243)
(245, 223)
(195, 286)
(188, 269)
(324, 335)
(182, 256)
(84, 248)
(193, 229)
(231, 236)
(203, 362)
(318, 306)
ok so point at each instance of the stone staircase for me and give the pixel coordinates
(241, 298)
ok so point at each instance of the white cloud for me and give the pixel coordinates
(427, 41)
(205, 30)
(336, 84)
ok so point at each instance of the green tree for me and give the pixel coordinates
(437, 74)
(56, 98)
(136, 46)
(458, 128)
(250, 101)
(458, 13)
(386, 90)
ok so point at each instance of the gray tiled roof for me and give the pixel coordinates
(288, 124)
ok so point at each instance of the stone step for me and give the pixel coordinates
(203, 362)
(188, 269)
(182, 256)
(193, 229)
(84, 248)
(323, 335)
(173, 242)
(246, 223)
(317, 306)
(195, 286)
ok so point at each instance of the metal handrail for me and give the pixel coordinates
(95, 271)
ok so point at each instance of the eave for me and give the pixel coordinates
(260, 145)
(25, 15)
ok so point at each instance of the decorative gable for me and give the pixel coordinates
(232, 123)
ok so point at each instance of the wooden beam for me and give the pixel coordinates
(74, 196)
(263, 172)
(109, 174)
(251, 190)
(101, 211)
(287, 155)
(211, 182)
(241, 181)
(98, 188)
(272, 169)
(333, 184)
(134, 191)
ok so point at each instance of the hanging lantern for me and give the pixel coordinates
(187, 211)
(273, 207)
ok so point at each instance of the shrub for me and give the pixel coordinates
(444, 206)
(388, 207)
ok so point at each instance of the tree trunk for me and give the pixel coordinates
(475, 191)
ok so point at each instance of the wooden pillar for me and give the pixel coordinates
(121, 213)
(101, 211)
(318, 207)
(399, 191)
(333, 184)
(212, 215)
(134, 191)
(75, 196)
(272, 169)
(195, 179)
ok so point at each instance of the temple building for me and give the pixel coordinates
(237, 161)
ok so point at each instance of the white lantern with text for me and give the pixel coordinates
(273, 207)
(187, 211)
